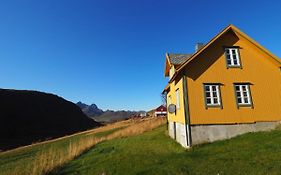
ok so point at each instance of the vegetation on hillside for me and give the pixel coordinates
(125, 147)
(46, 157)
(155, 153)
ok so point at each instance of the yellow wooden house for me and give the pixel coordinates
(229, 86)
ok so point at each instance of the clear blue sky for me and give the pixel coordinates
(112, 52)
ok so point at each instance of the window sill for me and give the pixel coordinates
(213, 106)
(245, 105)
(229, 67)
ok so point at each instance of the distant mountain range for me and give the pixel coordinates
(107, 116)
(90, 110)
(31, 116)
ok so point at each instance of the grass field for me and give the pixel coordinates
(42, 158)
(19, 161)
(155, 153)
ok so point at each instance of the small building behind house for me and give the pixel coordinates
(143, 114)
(161, 111)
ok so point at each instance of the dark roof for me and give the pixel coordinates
(178, 59)
(161, 108)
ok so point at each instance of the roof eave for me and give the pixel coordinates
(167, 66)
(166, 89)
(239, 32)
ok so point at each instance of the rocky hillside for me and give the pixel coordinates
(108, 116)
(31, 116)
(90, 110)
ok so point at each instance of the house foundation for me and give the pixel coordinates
(210, 133)
(178, 132)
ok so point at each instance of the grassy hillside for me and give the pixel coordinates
(44, 157)
(22, 160)
(155, 153)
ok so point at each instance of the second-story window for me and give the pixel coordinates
(232, 57)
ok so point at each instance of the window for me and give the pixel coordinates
(242, 92)
(178, 98)
(212, 95)
(232, 57)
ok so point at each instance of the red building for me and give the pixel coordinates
(161, 111)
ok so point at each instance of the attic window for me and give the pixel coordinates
(232, 57)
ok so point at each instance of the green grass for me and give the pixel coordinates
(155, 153)
(21, 158)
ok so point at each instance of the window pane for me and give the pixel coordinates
(238, 94)
(244, 88)
(245, 94)
(215, 101)
(246, 100)
(214, 88)
(208, 94)
(227, 51)
(208, 100)
(214, 94)
(228, 61)
(237, 88)
(234, 56)
(239, 100)
(207, 88)
(235, 62)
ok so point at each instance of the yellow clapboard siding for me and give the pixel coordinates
(179, 116)
(258, 68)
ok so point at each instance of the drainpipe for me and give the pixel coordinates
(186, 112)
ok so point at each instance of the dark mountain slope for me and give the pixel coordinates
(30, 116)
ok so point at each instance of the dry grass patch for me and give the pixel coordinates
(88, 132)
(138, 128)
(50, 159)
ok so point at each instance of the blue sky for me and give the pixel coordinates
(112, 52)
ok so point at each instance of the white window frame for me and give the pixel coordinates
(177, 98)
(230, 57)
(211, 96)
(244, 94)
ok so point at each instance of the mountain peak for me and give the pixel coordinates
(90, 110)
